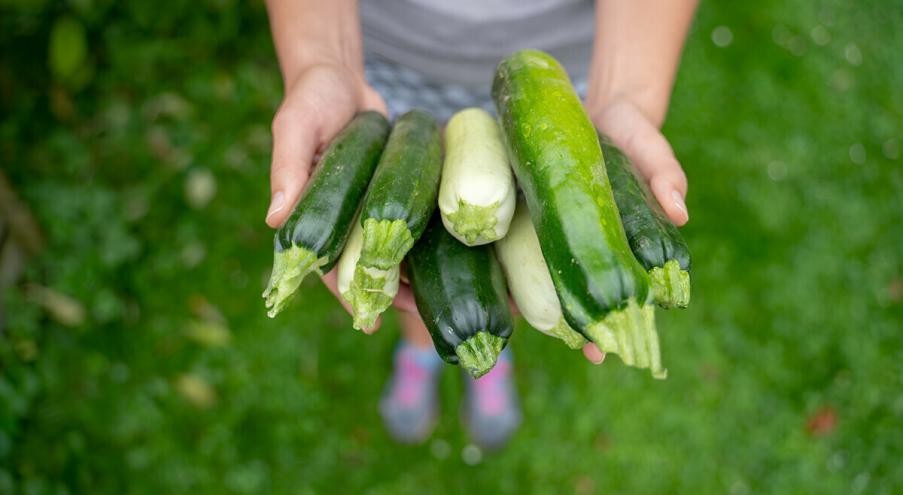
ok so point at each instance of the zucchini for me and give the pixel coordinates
(655, 241)
(556, 157)
(461, 295)
(529, 281)
(477, 193)
(313, 236)
(398, 205)
(374, 292)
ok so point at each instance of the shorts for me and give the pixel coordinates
(404, 89)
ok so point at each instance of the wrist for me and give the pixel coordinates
(312, 55)
(653, 104)
(310, 33)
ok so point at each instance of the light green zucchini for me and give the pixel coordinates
(529, 281)
(370, 292)
(477, 192)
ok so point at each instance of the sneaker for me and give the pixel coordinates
(410, 405)
(492, 410)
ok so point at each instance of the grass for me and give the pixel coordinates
(146, 167)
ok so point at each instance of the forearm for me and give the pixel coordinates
(636, 52)
(310, 32)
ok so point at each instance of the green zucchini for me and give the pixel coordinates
(556, 157)
(655, 241)
(400, 200)
(529, 281)
(477, 192)
(461, 295)
(313, 236)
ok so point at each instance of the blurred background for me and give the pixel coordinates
(136, 357)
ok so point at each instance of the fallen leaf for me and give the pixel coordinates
(63, 308)
(822, 422)
(200, 187)
(584, 485)
(208, 333)
(196, 390)
(895, 290)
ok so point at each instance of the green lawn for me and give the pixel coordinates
(146, 167)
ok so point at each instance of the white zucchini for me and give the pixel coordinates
(370, 292)
(477, 193)
(529, 281)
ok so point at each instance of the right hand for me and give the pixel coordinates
(318, 104)
(631, 130)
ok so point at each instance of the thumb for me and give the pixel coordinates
(373, 101)
(650, 152)
(294, 144)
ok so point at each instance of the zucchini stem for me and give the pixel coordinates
(479, 353)
(385, 243)
(630, 333)
(290, 266)
(568, 335)
(371, 292)
(474, 223)
(670, 285)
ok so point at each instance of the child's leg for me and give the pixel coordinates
(410, 403)
(414, 332)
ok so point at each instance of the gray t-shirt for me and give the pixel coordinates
(461, 41)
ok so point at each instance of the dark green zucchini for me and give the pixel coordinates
(402, 195)
(556, 157)
(655, 241)
(400, 200)
(312, 238)
(461, 295)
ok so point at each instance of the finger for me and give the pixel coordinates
(294, 144)
(330, 280)
(515, 311)
(670, 195)
(373, 101)
(650, 152)
(404, 300)
(655, 159)
(593, 354)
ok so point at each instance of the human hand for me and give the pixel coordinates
(317, 105)
(631, 130)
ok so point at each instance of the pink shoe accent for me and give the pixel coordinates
(411, 377)
(490, 390)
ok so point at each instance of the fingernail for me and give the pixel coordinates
(599, 361)
(276, 204)
(374, 328)
(679, 203)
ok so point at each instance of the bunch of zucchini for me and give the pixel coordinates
(585, 254)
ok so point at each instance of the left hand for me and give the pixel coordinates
(639, 138)
(634, 133)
